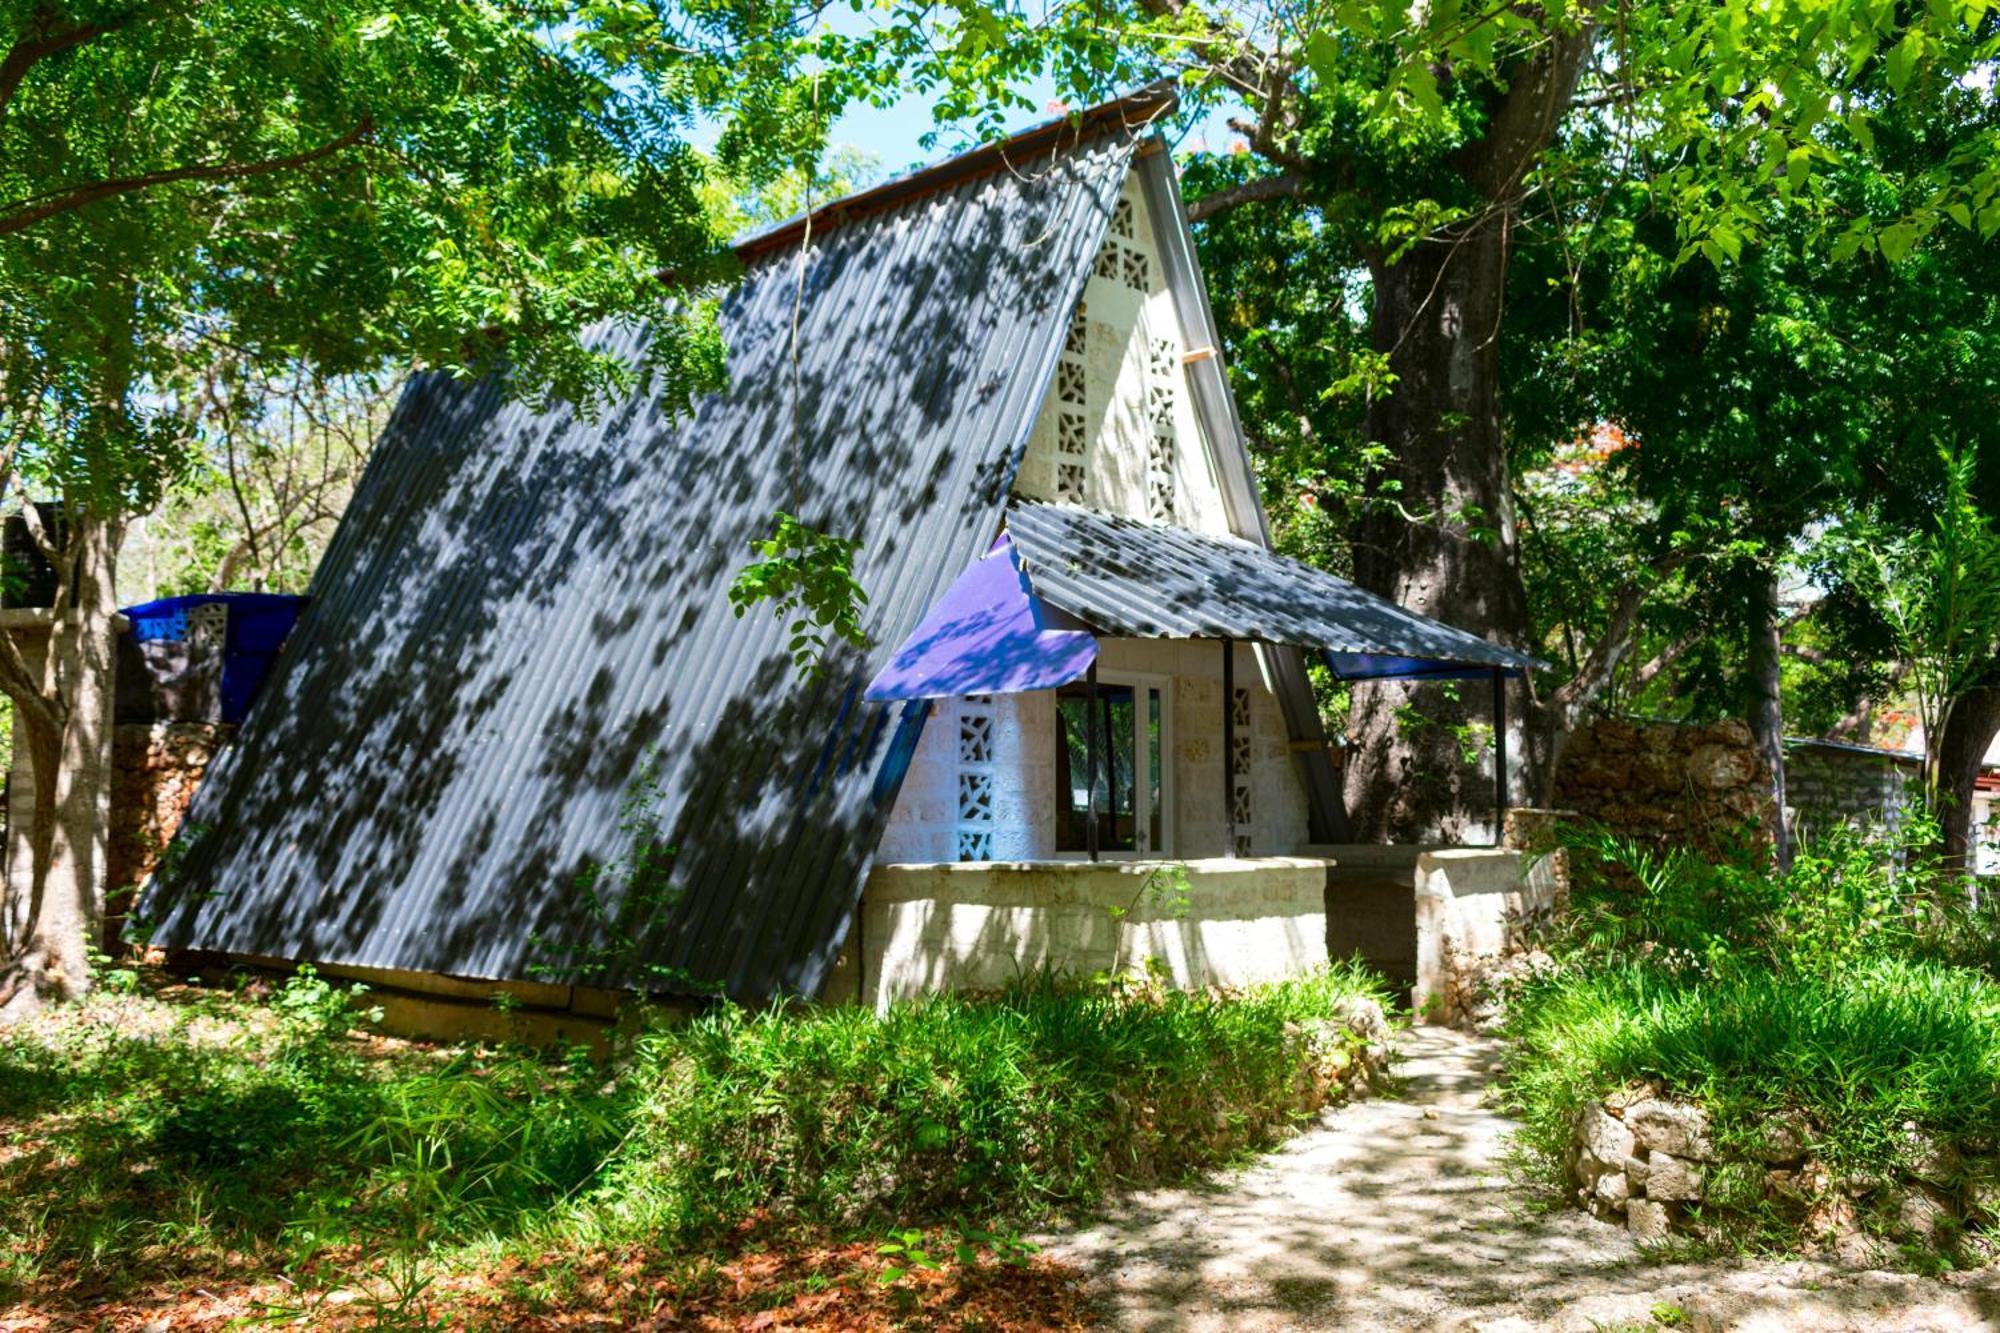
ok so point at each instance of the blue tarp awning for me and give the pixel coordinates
(257, 625)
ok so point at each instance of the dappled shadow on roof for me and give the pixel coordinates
(523, 613)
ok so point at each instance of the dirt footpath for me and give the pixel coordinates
(1397, 1214)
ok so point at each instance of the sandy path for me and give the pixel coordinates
(1397, 1214)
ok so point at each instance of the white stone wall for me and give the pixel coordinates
(1118, 432)
(944, 784)
(933, 928)
(940, 799)
(1473, 905)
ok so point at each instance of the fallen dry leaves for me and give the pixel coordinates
(767, 1283)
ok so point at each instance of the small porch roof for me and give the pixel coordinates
(1061, 568)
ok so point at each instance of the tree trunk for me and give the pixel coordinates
(72, 773)
(1443, 541)
(1968, 732)
(1767, 713)
(1441, 538)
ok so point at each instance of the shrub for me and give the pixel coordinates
(147, 1137)
(1866, 1056)
(194, 1130)
(983, 1107)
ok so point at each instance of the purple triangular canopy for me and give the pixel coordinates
(988, 634)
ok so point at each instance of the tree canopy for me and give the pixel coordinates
(310, 186)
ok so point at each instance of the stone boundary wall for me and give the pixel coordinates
(1649, 1161)
(1825, 781)
(155, 769)
(1704, 784)
(1667, 783)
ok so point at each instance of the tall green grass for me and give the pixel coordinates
(139, 1138)
(1835, 995)
(955, 1106)
(1889, 1044)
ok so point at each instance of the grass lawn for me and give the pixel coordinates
(188, 1155)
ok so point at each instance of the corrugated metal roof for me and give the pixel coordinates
(1151, 581)
(524, 614)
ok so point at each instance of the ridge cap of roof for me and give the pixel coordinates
(1150, 103)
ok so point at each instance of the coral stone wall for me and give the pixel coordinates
(1674, 783)
(1666, 783)
(1649, 1161)
(155, 770)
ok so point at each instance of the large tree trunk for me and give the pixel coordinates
(1767, 711)
(1441, 539)
(72, 774)
(1437, 313)
(1967, 734)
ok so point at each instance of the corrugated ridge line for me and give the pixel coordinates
(825, 327)
(531, 673)
(582, 602)
(430, 641)
(493, 759)
(968, 215)
(1130, 604)
(383, 534)
(830, 327)
(426, 641)
(834, 328)
(381, 544)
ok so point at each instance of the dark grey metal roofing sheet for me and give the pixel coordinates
(1150, 581)
(523, 622)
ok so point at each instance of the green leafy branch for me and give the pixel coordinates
(808, 577)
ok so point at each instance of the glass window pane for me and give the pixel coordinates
(1116, 799)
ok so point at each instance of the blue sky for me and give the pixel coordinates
(891, 134)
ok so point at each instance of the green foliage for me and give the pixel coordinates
(808, 576)
(1837, 993)
(908, 1249)
(1851, 893)
(1938, 591)
(1292, 305)
(151, 1135)
(335, 189)
(1892, 1043)
(1167, 891)
(214, 1128)
(946, 1106)
(277, 458)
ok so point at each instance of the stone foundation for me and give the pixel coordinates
(980, 926)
